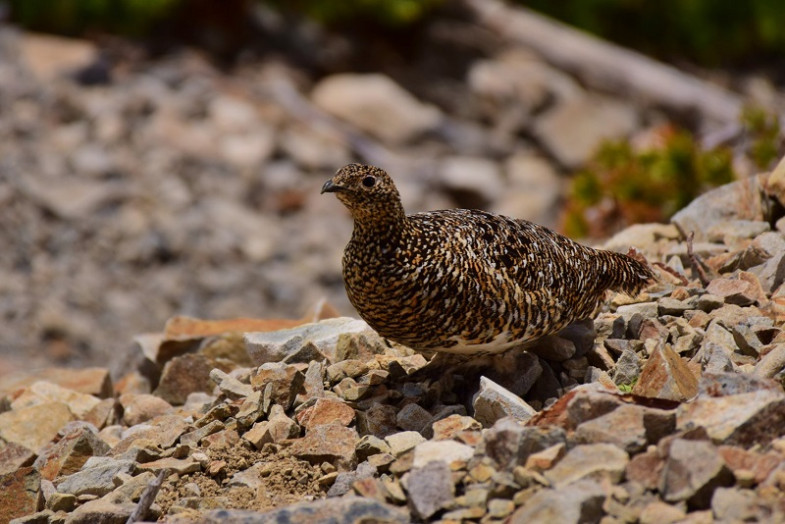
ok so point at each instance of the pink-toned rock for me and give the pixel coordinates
(284, 380)
(184, 375)
(759, 465)
(34, 426)
(324, 411)
(19, 493)
(666, 376)
(102, 414)
(739, 291)
(141, 408)
(744, 419)
(90, 381)
(693, 470)
(13, 456)
(69, 454)
(332, 443)
(580, 404)
(451, 426)
(547, 458)
(645, 469)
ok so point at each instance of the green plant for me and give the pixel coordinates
(391, 13)
(763, 129)
(622, 186)
(705, 31)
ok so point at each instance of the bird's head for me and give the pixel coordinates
(367, 191)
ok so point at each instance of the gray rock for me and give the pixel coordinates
(277, 346)
(645, 309)
(574, 128)
(581, 501)
(627, 369)
(473, 182)
(509, 444)
(413, 418)
(554, 348)
(716, 349)
(230, 386)
(740, 200)
(96, 480)
(693, 470)
(447, 451)
(493, 402)
(345, 510)
(376, 105)
(430, 489)
(739, 505)
(345, 479)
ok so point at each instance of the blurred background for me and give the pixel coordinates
(162, 157)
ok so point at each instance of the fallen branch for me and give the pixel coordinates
(605, 66)
(695, 262)
(147, 498)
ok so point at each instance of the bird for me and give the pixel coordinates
(463, 281)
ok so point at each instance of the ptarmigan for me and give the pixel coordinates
(466, 281)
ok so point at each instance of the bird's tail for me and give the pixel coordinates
(628, 273)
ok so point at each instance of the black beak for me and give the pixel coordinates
(329, 187)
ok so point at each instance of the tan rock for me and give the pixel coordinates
(666, 376)
(34, 426)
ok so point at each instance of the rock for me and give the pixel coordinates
(324, 411)
(280, 382)
(578, 502)
(645, 469)
(282, 345)
(430, 489)
(376, 105)
(666, 376)
(230, 386)
(534, 189)
(413, 418)
(346, 510)
(193, 438)
(404, 441)
(735, 291)
(184, 375)
(90, 381)
(97, 479)
(740, 200)
(693, 470)
(742, 461)
(69, 454)
(570, 130)
(34, 426)
(102, 510)
(546, 459)
(772, 363)
(492, 402)
(627, 369)
(49, 57)
(716, 349)
(142, 407)
(473, 182)
(330, 442)
(163, 430)
(629, 427)
(737, 505)
(589, 460)
(13, 456)
(345, 480)
(378, 420)
(447, 451)
(554, 348)
(661, 513)
(19, 492)
(174, 465)
(449, 427)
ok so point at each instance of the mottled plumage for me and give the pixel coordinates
(466, 281)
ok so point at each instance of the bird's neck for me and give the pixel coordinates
(386, 220)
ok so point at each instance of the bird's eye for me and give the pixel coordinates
(369, 181)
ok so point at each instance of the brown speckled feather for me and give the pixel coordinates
(466, 281)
